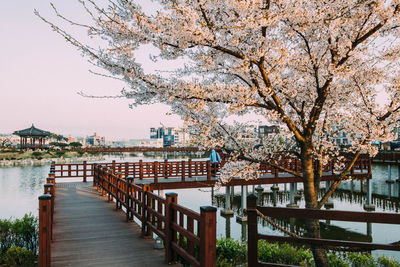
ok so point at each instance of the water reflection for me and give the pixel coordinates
(20, 187)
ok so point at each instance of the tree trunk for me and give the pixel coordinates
(311, 198)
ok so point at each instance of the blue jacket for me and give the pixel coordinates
(214, 157)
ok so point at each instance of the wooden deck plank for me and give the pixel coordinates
(88, 231)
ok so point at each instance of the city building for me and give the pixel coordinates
(265, 130)
(96, 140)
(170, 136)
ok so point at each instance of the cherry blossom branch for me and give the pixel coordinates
(337, 181)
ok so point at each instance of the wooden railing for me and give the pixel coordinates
(390, 157)
(46, 211)
(187, 169)
(368, 217)
(185, 233)
(138, 149)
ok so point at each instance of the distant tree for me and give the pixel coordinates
(75, 144)
(59, 144)
(58, 137)
(314, 67)
(5, 141)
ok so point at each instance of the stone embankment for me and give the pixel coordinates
(39, 162)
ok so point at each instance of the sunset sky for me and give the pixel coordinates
(41, 75)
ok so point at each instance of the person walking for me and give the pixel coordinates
(215, 160)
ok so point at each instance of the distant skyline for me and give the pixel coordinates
(41, 74)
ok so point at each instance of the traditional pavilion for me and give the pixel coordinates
(29, 137)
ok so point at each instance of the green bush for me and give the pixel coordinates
(230, 252)
(17, 256)
(6, 236)
(60, 153)
(233, 253)
(20, 232)
(26, 232)
(387, 262)
(283, 254)
(36, 154)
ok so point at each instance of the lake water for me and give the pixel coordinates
(21, 186)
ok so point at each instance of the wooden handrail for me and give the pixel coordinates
(254, 236)
(179, 169)
(154, 212)
(46, 211)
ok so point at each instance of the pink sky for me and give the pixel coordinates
(41, 75)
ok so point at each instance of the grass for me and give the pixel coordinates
(17, 155)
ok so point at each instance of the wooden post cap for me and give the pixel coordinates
(208, 209)
(44, 197)
(50, 178)
(171, 194)
(48, 185)
(129, 178)
(251, 197)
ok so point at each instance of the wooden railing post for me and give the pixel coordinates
(118, 196)
(49, 190)
(84, 171)
(252, 233)
(140, 169)
(126, 169)
(113, 165)
(208, 236)
(208, 170)
(51, 180)
(170, 234)
(276, 173)
(44, 230)
(190, 168)
(183, 170)
(95, 173)
(128, 203)
(145, 201)
(155, 171)
(165, 168)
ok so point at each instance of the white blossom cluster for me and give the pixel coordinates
(239, 170)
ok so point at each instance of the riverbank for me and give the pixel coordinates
(29, 158)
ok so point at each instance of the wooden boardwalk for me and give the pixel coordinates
(88, 231)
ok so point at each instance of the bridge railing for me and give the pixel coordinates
(46, 211)
(185, 233)
(184, 170)
(253, 211)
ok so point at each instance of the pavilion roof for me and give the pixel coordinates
(32, 131)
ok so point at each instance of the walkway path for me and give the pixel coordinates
(88, 231)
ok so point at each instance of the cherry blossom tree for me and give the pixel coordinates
(313, 67)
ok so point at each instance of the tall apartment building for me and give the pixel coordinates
(96, 140)
(170, 136)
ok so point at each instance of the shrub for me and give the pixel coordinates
(6, 239)
(36, 154)
(283, 253)
(230, 252)
(20, 232)
(60, 153)
(17, 256)
(387, 262)
(361, 260)
(26, 232)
